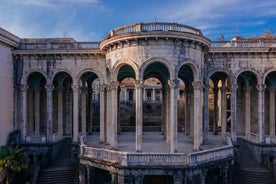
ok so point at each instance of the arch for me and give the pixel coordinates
(34, 79)
(247, 77)
(87, 70)
(59, 71)
(152, 60)
(253, 71)
(59, 77)
(191, 63)
(186, 74)
(228, 73)
(121, 63)
(266, 74)
(26, 76)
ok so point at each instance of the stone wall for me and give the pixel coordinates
(6, 95)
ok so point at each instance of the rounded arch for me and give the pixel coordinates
(157, 70)
(191, 63)
(26, 76)
(228, 73)
(247, 77)
(60, 71)
(266, 74)
(59, 78)
(253, 71)
(35, 79)
(87, 70)
(150, 61)
(121, 63)
(186, 74)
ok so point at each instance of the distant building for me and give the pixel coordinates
(157, 77)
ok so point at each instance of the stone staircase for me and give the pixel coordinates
(61, 170)
(248, 171)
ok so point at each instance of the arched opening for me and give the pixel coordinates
(247, 111)
(185, 100)
(155, 116)
(62, 105)
(89, 104)
(36, 108)
(269, 126)
(219, 104)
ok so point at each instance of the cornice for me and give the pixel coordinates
(8, 38)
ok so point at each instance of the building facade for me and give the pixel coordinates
(54, 87)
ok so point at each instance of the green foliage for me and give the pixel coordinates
(12, 160)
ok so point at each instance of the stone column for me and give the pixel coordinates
(191, 112)
(206, 114)
(37, 111)
(272, 111)
(223, 111)
(49, 90)
(178, 179)
(261, 89)
(197, 114)
(102, 114)
(113, 113)
(91, 110)
(114, 178)
(247, 110)
(234, 112)
(108, 118)
(125, 179)
(153, 95)
(139, 114)
(23, 91)
(60, 111)
(215, 123)
(75, 113)
(187, 111)
(83, 110)
(138, 179)
(203, 177)
(168, 102)
(173, 84)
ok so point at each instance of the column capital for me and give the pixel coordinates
(173, 83)
(260, 87)
(83, 89)
(49, 88)
(206, 86)
(102, 87)
(113, 85)
(139, 83)
(247, 89)
(23, 88)
(197, 85)
(223, 88)
(234, 87)
(75, 87)
(59, 89)
(37, 89)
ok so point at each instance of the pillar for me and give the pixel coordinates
(178, 179)
(191, 112)
(37, 111)
(234, 88)
(114, 178)
(138, 179)
(102, 114)
(173, 84)
(125, 179)
(113, 113)
(139, 114)
(60, 111)
(261, 89)
(168, 127)
(23, 91)
(215, 123)
(197, 87)
(206, 114)
(247, 110)
(223, 111)
(187, 111)
(108, 114)
(203, 177)
(272, 111)
(49, 90)
(83, 111)
(91, 110)
(75, 113)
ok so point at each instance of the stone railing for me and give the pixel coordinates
(59, 46)
(202, 157)
(244, 44)
(252, 137)
(36, 139)
(154, 26)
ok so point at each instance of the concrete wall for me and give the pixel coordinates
(6, 93)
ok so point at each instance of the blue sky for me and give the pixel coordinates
(90, 20)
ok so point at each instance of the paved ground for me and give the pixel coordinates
(153, 142)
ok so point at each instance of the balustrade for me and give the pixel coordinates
(252, 137)
(59, 46)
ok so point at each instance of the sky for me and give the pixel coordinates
(91, 20)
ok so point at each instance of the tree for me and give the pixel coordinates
(12, 161)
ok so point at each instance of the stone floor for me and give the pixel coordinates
(153, 142)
